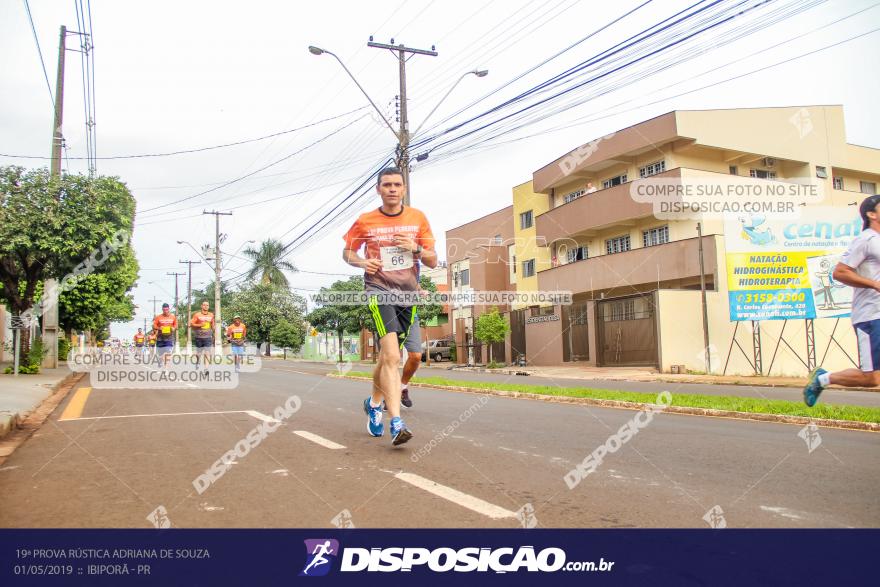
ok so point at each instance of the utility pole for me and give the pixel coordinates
(189, 285)
(154, 300)
(403, 133)
(217, 269)
(703, 296)
(176, 275)
(57, 137)
(49, 315)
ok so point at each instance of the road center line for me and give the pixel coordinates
(76, 404)
(318, 439)
(455, 496)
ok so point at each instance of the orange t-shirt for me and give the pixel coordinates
(139, 339)
(165, 326)
(375, 230)
(203, 325)
(236, 333)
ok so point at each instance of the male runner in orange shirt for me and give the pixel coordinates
(237, 333)
(396, 239)
(202, 324)
(165, 325)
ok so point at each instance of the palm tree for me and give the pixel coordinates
(268, 263)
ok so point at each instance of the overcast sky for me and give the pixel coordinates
(173, 76)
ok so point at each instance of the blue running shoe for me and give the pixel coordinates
(374, 422)
(813, 388)
(399, 432)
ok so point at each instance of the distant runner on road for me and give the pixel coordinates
(396, 239)
(859, 268)
(236, 333)
(202, 325)
(139, 339)
(165, 325)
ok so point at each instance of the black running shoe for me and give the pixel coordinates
(404, 397)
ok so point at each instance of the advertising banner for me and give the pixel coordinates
(781, 268)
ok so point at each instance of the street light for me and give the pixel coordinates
(318, 51)
(202, 257)
(476, 72)
(402, 135)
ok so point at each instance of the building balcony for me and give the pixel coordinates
(595, 212)
(674, 261)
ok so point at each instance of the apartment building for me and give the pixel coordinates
(636, 277)
(479, 258)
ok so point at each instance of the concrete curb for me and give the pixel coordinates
(12, 421)
(607, 403)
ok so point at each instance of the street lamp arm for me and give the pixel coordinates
(317, 51)
(194, 250)
(477, 73)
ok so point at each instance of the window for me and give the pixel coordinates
(733, 170)
(617, 245)
(542, 311)
(576, 254)
(868, 187)
(655, 236)
(617, 180)
(571, 196)
(652, 169)
(622, 310)
(461, 278)
(526, 220)
(762, 174)
(497, 240)
(529, 268)
(837, 183)
(821, 172)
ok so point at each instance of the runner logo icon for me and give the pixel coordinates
(320, 555)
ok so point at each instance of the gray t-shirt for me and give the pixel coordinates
(863, 255)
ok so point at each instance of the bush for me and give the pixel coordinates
(63, 348)
(24, 370)
(453, 353)
(494, 365)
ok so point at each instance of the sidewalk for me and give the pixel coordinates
(21, 395)
(648, 374)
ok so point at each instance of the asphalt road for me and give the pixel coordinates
(131, 451)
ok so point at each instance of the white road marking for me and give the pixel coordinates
(318, 439)
(784, 512)
(281, 472)
(470, 502)
(252, 413)
(260, 416)
(210, 508)
(193, 385)
(291, 371)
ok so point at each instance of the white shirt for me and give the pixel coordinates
(863, 255)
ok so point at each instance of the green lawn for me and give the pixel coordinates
(715, 402)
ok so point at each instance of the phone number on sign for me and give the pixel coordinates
(760, 298)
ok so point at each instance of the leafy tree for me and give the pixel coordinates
(287, 334)
(490, 328)
(50, 225)
(101, 297)
(341, 318)
(268, 263)
(262, 307)
(428, 311)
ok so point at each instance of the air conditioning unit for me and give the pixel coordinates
(768, 161)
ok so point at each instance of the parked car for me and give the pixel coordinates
(439, 349)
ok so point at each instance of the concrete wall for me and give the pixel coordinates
(544, 342)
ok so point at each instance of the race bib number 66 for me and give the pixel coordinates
(395, 258)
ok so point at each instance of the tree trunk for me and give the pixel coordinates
(268, 346)
(341, 334)
(490, 352)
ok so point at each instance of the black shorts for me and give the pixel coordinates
(389, 319)
(203, 342)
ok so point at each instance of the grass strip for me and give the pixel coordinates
(714, 402)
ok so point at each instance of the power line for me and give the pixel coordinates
(196, 150)
(39, 51)
(238, 179)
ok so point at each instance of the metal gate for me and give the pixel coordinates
(517, 334)
(627, 331)
(575, 333)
